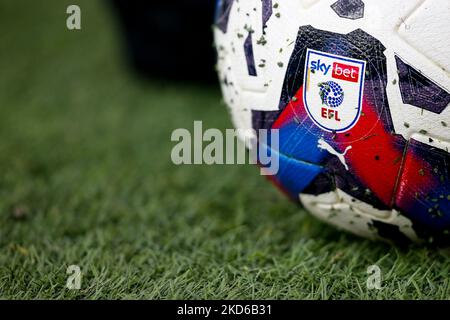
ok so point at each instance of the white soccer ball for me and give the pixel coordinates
(359, 91)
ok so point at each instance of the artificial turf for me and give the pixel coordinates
(86, 179)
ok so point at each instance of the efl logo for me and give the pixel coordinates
(333, 90)
(346, 72)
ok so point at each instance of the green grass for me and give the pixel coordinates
(86, 179)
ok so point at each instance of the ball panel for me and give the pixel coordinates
(424, 29)
(420, 91)
(423, 190)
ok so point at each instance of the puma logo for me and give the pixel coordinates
(341, 156)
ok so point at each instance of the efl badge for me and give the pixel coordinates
(333, 90)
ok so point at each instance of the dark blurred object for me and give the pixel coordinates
(170, 39)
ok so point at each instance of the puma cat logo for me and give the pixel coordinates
(341, 156)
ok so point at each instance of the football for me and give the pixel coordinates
(359, 91)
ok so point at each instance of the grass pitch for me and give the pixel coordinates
(86, 180)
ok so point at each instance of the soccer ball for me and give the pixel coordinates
(359, 91)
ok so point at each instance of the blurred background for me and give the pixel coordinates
(170, 39)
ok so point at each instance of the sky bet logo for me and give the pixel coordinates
(340, 71)
(333, 90)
